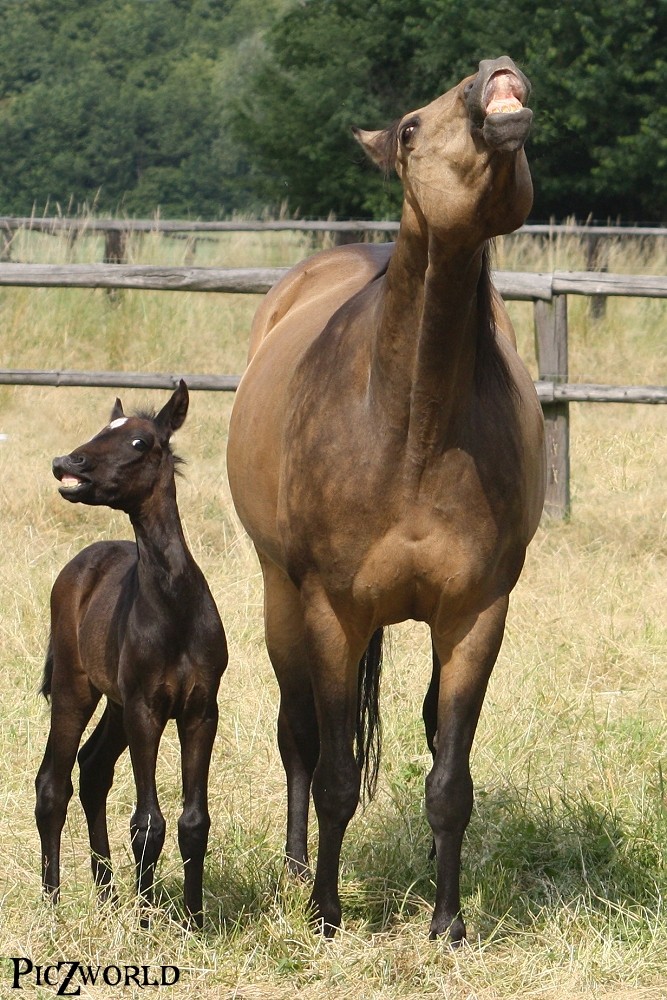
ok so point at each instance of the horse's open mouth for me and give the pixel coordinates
(504, 119)
(503, 94)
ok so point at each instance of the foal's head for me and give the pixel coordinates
(121, 466)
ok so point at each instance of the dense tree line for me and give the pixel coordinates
(122, 105)
(599, 74)
(202, 107)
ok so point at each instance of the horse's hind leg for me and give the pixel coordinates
(298, 738)
(430, 715)
(197, 733)
(53, 785)
(97, 761)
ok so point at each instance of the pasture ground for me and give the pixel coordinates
(565, 862)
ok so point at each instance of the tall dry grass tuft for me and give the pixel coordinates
(565, 862)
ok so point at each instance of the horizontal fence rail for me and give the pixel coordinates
(547, 392)
(547, 291)
(517, 285)
(59, 224)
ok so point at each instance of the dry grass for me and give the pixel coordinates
(565, 863)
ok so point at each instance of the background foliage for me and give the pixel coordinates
(205, 107)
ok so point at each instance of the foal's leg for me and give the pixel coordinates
(197, 733)
(298, 738)
(97, 761)
(467, 661)
(147, 826)
(70, 713)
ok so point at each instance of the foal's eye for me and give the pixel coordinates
(139, 444)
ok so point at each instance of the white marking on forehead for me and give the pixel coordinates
(118, 422)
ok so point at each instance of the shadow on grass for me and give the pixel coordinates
(523, 860)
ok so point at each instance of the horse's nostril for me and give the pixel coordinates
(77, 459)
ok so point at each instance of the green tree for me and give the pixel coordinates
(122, 103)
(599, 73)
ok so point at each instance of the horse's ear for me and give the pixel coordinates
(380, 146)
(174, 412)
(117, 411)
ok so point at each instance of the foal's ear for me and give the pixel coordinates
(117, 411)
(173, 413)
(380, 146)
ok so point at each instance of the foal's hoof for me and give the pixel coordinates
(454, 932)
(326, 926)
(298, 870)
(193, 921)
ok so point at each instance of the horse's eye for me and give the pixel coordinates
(408, 132)
(139, 444)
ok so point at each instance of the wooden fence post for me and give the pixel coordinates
(6, 243)
(115, 246)
(597, 252)
(551, 349)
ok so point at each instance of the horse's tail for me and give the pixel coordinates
(368, 742)
(45, 689)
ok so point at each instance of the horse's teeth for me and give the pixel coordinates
(499, 107)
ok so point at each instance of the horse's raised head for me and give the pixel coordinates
(122, 465)
(461, 158)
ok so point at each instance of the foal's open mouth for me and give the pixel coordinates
(71, 487)
(70, 483)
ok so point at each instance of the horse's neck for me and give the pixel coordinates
(425, 341)
(165, 565)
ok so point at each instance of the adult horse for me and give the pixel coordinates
(386, 458)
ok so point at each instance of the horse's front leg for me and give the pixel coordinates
(298, 738)
(337, 776)
(197, 733)
(467, 657)
(147, 826)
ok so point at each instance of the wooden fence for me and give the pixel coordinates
(547, 291)
(117, 231)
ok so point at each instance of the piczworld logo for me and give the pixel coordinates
(67, 978)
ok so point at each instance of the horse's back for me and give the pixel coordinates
(316, 287)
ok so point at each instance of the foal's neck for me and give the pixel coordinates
(164, 560)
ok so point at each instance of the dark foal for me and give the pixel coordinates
(134, 621)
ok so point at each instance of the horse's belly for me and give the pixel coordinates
(407, 576)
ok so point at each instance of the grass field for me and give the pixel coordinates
(565, 862)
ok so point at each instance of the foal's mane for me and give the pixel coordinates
(150, 415)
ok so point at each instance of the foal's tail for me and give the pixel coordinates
(369, 731)
(45, 689)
